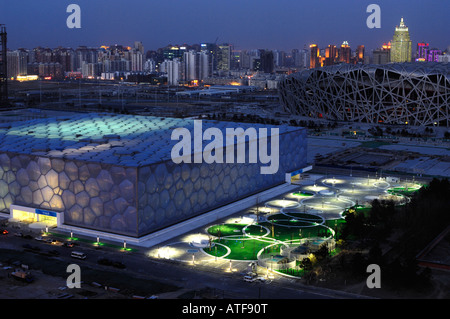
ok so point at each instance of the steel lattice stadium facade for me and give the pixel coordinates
(397, 93)
(115, 173)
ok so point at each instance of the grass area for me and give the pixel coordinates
(293, 272)
(255, 230)
(285, 233)
(406, 191)
(226, 229)
(242, 249)
(89, 241)
(305, 216)
(217, 250)
(302, 194)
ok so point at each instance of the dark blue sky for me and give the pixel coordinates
(265, 24)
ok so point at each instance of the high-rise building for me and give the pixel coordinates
(17, 63)
(360, 54)
(422, 51)
(224, 57)
(314, 57)
(139, 47)
(173, 69)
(137, 60)
(189, 65)
(433, 55)
(331, 54)
(203, 65)
(345, 52)
(401, 44)
(267, 61)
(382, 55)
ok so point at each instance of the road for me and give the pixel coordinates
(185, 276)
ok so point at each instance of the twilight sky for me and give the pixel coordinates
(248, 24)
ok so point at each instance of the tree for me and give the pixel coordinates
(306, 263)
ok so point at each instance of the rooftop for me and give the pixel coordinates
(125, 140)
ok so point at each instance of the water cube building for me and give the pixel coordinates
(114, 173)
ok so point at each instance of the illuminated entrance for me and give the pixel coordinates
(34, 215)
(295, 177)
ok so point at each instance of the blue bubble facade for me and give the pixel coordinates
(114, 173)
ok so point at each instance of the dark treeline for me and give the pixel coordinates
(414, 225)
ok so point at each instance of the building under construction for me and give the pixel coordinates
(3, 68)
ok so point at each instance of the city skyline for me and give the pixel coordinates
(244, 25)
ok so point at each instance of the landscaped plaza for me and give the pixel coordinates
(277, 235)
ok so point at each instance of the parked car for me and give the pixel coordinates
(39, 238)
(18, 234)
(68, 244)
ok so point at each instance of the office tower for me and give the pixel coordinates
(211, 49)
(296, 58)
(345, 52)
(331, 55)
(236, 59)
(17, 62)
(422, 51)
(360, 54)
(433, 55)
(382, 55)
(267, 61)
(279, 58)
(314, 57)
(173, 52)
(401, 44)
(224, 57)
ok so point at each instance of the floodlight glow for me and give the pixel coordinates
(167, 252)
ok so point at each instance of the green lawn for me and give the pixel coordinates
(226, 229)
(302, 194)
(241, 249)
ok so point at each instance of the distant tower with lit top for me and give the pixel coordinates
(401, 44)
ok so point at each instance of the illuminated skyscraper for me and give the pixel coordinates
(331, 55)
(401, 44)
(422, 51)
(345, 52)
(224, 57)
(360, 54)
(314, 57)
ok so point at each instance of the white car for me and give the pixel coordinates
(249, 279)
(40, 238)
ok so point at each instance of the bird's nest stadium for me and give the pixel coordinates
(415, 93)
